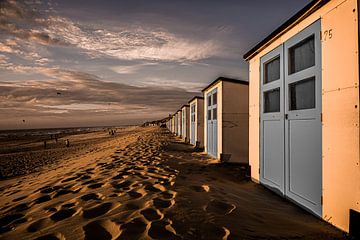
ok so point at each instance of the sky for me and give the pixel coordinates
(69, 63)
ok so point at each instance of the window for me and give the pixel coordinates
(272, 70)
(214, 113)
(272, 101)
(209, 100)
(302, 55)
(209, 114)
(215, 98)
(302, 94)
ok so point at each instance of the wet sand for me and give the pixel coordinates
(149, 185)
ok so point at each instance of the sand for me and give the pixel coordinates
(148, 185)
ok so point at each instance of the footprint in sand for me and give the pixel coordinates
(151, 214)
(168, 195)
(20, 207)
(52, 236)
(102, 229)
(62, 192)
(42, 199)
(63, 214)
(69, 179)
(213, 231)
(95, 185)
(91, 196)
(7, 222)
(134, 194)
(220, 207)
(162, 203)
(162, 230)
(98, 210)
(19, 198)
(39, 225)
(133, 229)
(202, 188)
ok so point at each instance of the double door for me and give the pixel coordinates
(212, 123)
(291, 145)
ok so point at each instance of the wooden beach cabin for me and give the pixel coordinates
(172, 124)
(197, 122)
(226, 119)
(185, 123)
(176, 124)
(304, 110)
(179, 123)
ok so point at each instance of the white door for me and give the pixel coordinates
(193, 123)
(291, 144)
(212, 123)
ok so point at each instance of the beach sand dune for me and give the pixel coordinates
(148, 185)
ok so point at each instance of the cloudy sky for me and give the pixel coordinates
(99, 63)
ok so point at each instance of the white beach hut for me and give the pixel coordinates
(196, 132)
(179, 123)
(226, 119)
(185, 123)
(304, 111)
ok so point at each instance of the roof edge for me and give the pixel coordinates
(196, 97)
(225, 79)
(301, 14)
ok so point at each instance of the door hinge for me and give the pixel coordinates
(321, 117)
(322, 200)
(320, 35)
(259, 170)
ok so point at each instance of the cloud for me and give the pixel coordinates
(131, 68)
(78, 92)
(125, 42)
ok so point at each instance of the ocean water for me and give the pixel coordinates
(29, 133)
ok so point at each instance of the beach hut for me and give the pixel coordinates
(176, 125)
(173, 123)
(179, 123)
(304, 111)
(197, 122)
(226, 119)
(185, 123)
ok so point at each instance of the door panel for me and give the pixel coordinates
(272, 121)
(304, 164)
(273, 163)
(303, 130)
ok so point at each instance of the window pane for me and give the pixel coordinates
(272, 70)
(209, 100)
(272, 100)
(214, 113)
(302, 94)
(302, 55)
(215, 98)
(209, 114)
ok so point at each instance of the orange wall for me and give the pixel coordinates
(340, 99)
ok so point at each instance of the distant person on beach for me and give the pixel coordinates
(67, 143)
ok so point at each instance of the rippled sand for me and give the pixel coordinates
(149, 186)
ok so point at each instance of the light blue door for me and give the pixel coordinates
(193, 123)
(212, 123)
(291, 131)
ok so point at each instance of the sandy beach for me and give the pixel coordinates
(145, 183)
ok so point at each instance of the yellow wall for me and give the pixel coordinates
(340, 95)
(219, 117)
